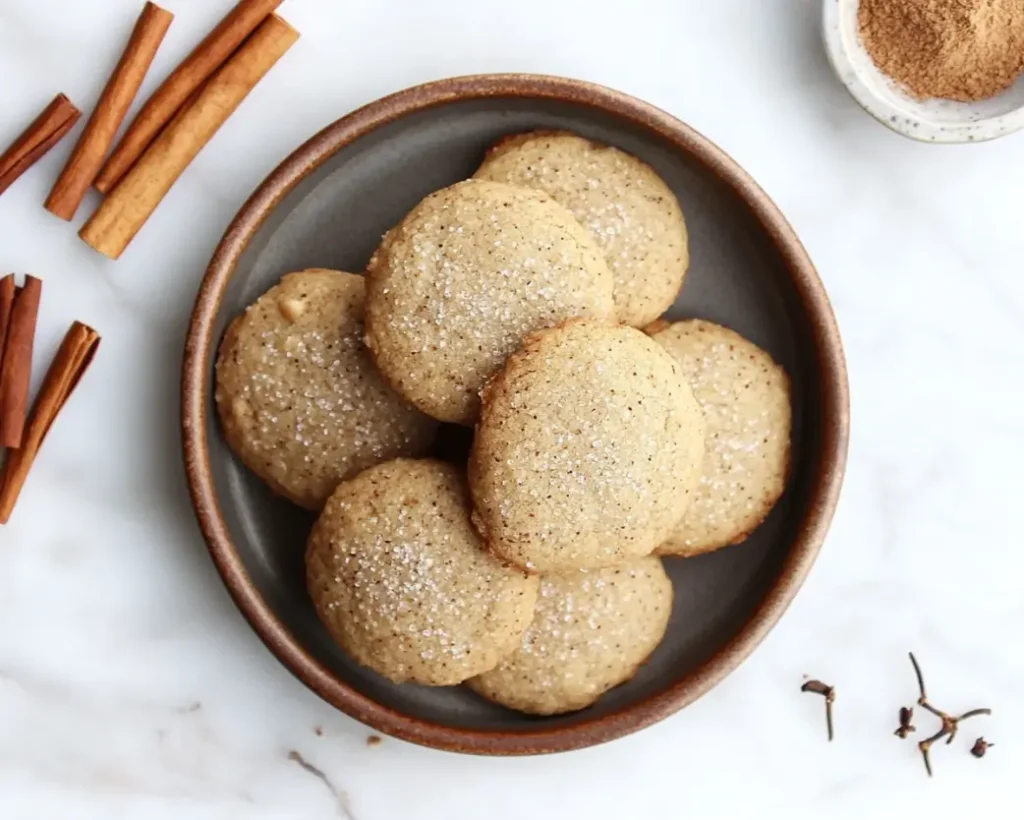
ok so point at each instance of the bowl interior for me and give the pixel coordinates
(335, 217)
(936, 120)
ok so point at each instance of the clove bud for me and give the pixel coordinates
(980, 747)
(906, 727)
(829, 693)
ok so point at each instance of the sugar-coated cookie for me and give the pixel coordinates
(626, 206)
(745, 398)
(399, 578)
(464, 278)
(298, 395)
(588, 449)
(592, 630)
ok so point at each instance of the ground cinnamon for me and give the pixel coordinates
(963, 50)
(73, 357)
(87, 156)
(16, 368)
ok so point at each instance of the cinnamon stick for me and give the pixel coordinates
(7, 292)
(43, 133)
(136, 196)
(85, 161)
(16, 369)
(72, 359)
(174, 92)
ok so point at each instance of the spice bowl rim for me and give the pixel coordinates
(881, 97)
(826, 468)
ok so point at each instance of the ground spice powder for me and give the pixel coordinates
(963, 50)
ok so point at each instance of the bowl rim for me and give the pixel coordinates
(833, 393)
(899, 119)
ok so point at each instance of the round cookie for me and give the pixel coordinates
(631, 212)
(592, 630)
(464, 278)
(588, 449)
(399, 579)
(298, 396)
(745, 398)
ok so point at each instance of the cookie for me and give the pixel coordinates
(588, 449)
(400, 581)
(299, 398)
(626, 206)
(592, 630)
(464, 278)
(745, 398)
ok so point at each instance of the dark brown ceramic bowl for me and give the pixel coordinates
(327, 206)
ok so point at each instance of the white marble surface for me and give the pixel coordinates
(131, 687)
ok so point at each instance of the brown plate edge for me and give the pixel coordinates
(834, 398)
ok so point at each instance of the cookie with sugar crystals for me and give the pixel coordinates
(398, 577)
(591, 631)
(626, 206)
(588, 449)
(464, 278)
(299, 398)
(745, 397)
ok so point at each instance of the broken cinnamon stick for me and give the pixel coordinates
(43, 133)
(16, 369)
(87, 157)
(174, 92)
(73, 357)
(126, 209)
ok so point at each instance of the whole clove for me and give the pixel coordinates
(950, 723)
(829, 693)
(980, 747)
(906, 727)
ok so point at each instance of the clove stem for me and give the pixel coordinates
(920, 679)
(925, 747)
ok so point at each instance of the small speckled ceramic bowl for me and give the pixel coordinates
(924, 120)
(328, 204)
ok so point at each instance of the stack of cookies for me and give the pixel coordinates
(523, 303)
